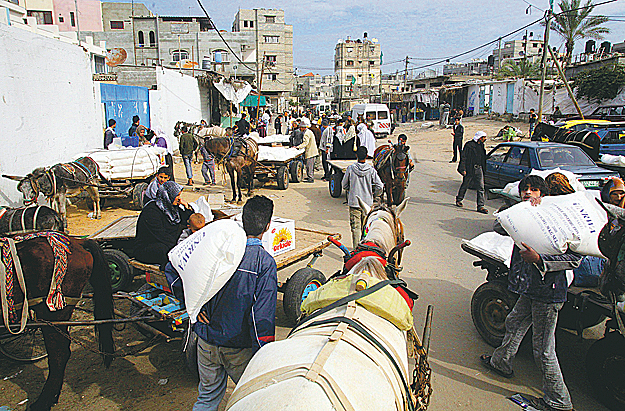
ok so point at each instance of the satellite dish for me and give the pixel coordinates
(116, 56)
(374, 40)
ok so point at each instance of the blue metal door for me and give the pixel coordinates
(123, 102)
(510, 98)
(482, 100)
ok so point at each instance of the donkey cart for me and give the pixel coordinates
(280, 164)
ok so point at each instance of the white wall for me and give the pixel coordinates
(500, 91)
(50, 108)
(177, 99)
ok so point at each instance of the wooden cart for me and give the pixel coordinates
(338, 171)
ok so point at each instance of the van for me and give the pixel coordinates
(376, 113)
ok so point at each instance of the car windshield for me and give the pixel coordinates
(551, 157)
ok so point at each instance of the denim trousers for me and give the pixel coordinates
(187, 164)
(215, 364)
(477, 181)
(542, 317)
(209, 167)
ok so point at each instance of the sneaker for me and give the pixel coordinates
(541, 405)
(482, 210)
(458, 203)
(485, 360)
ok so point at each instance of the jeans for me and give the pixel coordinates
(478, 181)
(532, 126)
(325, 164)
(542, 317)
(457, 147)
(208, 166)
(310, 168)
(215, 364)
(187, 164)
(356, 221)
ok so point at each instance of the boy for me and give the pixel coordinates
(241, 317)
(196, 222)
(208, 166)
(163, 175)
(533, 118)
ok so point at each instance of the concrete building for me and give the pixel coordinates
(314, 87)
(273, 43)
(517, 49)
(472, 68)
(591, 62)
(357, 70)
(71, 15)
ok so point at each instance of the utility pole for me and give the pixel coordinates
(257, 51)
(260, 86)
(543, 61)
(566, 83)
(499, 57)
(405, 74)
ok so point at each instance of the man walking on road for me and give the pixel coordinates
(444, 113)
(310, 149)
(360, 180)
(472, 166)
(243, 126)
(187, 147)
(458, 133)
(325, 146)
(109, 134)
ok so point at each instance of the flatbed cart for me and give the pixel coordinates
(338, 168)
(290, 170)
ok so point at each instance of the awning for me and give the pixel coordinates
(252, 101)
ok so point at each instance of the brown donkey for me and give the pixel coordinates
(239, 155)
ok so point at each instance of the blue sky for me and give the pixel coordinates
(420, 29)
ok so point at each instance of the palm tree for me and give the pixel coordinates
(574, 22)
(519, 69)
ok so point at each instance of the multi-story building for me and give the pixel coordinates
(314, 87)
(273, 44)
(472, 68)
(357, 71)
(516, 49)
(65, 14)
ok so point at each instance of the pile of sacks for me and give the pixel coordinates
(266, 153)
(513, 188)
(129, 162)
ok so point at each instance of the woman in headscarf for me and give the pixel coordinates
(160, 223)
(367, 140)
(613, 192)
(559, 184)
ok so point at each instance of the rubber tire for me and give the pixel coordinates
(294, 289)
(490, 305)
(32, 337)
(296, 169)
(282, 177)
(602, 353)
(138, 195)
(122, 273)
(189, 356)
(335, 184)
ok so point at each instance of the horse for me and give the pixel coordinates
(343, 356)
(39, 254)
(392, 163)
(27, 219)
(60, 180)
(239, 155)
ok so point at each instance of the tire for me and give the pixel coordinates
(282, 177)
(188, 350)
(138, 195)
(26, 347)
(122, 273)
(335, 184)
(302, 282)
(490, 305)
(605, 365)
(296, 169)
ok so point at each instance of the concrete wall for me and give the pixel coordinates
(50, 107)
(89, 15)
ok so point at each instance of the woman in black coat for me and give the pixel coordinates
(160, 223)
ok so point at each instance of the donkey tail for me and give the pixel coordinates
(100, 280)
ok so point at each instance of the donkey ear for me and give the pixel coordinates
(400, 208)
(363, 206)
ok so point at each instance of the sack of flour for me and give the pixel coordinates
(513, 188)
(206, 260)
(560, 222)
(494, 245)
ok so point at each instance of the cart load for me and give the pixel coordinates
(278, 154)
(273, 139)
(129, 163)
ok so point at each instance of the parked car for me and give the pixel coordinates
(510, 161)
(612, 112)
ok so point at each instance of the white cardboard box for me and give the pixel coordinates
(280, 237)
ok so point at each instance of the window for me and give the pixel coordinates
(117, 25)
(251, 24)
(382, 115)
(272, 39)
(515, 156)
(141, 38)
(371, 63)
(61, 19)
(349, 63)
(370, 115)
(43, 17)
(350, 49)
(220, 56)
(272, 76)
(244, 23)
(100, 65)
(270, 19)
(271, 59)
(372, 49)
(499, 154)
(350, 78)
(72, 19)
(179, 55)
(152, 39)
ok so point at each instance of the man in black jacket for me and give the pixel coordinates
(243, 126)
(472, 166)
(458, 133)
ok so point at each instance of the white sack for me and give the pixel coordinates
(494, 245)
(274, 138)
(568, 221)
(613, 160)
(202, 206)
(513, 188)
(128, 163)
(266, 153)
(206, 260)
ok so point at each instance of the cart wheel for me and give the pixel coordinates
(490, 305)
(336, 179)
(297, 171)
(297, 288)
(137, 195)
(122, 274)
(282, 177)
(25, 347)
(605, 365)
(188, 349)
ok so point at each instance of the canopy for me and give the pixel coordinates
(235, 91)
(252, 101)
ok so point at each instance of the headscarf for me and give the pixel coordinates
(558, 184)
(165, 196)
(478, 135)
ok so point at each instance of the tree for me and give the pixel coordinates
(603, 83)
(519, 69)
(574, 22)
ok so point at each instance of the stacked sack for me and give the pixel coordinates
(129, 162)
(284, 154)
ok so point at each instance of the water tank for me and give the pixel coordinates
(590, 47)
(206, 63)
(606, 46)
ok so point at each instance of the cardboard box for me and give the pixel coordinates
(280, 237)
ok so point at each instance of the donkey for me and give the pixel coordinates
(392, 165)
(60, 180)
(239, 155)
(28, 219)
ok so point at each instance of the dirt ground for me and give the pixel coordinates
(155, 378)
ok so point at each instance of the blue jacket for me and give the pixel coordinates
(243, 313)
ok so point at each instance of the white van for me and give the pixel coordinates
(376, 113)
